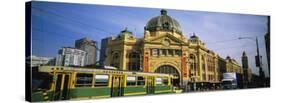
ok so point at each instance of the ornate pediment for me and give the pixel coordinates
(167, 39)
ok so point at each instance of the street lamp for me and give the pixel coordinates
(258, 57)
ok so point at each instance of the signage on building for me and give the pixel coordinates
(145, 62)
(184, 67)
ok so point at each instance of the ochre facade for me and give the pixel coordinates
(164, 49)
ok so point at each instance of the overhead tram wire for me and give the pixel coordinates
(227, 40)
(40, 10)
(101, 30)
(230, 40)
(128, 15)
(222, 41)
(72, 20)
(233, 47)
(238, 53)
(70, 39)
(54, 33)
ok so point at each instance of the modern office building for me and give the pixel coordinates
(90, 47)
(69, 56)
(104, 44)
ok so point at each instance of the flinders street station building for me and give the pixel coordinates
(164, 49)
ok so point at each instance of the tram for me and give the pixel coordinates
(52, 83)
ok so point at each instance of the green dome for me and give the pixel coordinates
(163, 22)
(194, 37)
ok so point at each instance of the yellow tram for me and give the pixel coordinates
(64, 83)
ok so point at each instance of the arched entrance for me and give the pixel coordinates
(167, 69)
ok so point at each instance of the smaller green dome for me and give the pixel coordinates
(194, 37)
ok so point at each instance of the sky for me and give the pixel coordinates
(56, 25)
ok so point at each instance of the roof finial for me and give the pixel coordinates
(126, 30)
(163, 12)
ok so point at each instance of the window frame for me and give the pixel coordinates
(143, 80)
(158, 80)
(95, 82)
(84, 85)
(163, 80)
(170, 52)
(155, 52)
(133, 81)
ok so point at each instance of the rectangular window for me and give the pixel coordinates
(160, 52)
(178, 52)
(154, 52)
(131, 81)
(84, 80)
(203, 67)
(165, 81)
(191, 66)
(158, 81)
(164, 52)
(43, 81)
(140, 81)
(170, 52)
(101, 80)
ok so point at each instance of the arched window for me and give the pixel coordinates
(203, 63)
(192, 62)
(193, 66)
(203, 67)
(167, 69)
(133, 63)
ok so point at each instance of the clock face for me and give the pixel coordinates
(166, 42)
